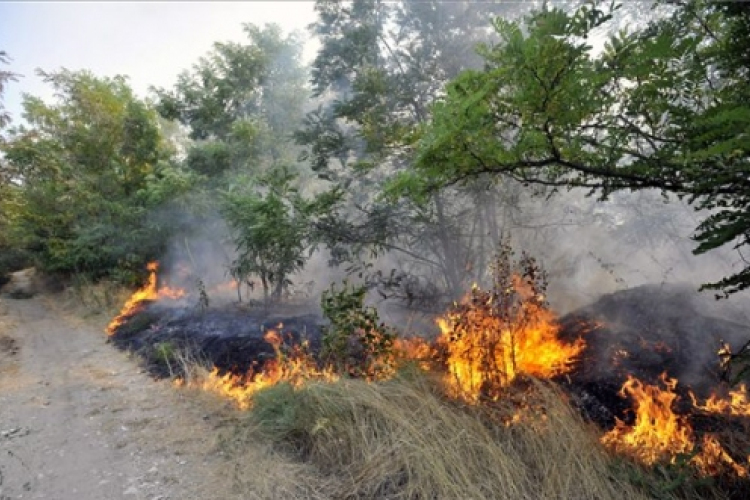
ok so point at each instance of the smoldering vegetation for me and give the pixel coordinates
(279, 181)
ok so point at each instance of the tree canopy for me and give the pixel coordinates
(661, 107)
(413, 133)
(85, 174)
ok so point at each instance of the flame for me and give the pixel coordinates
(294, 368)
(658, 434)
(150, 291)
(415, 349)
(738, 403)
(486, 349)
(713, 459)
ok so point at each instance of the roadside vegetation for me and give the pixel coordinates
(423, 134)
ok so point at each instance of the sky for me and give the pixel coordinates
(150, 42)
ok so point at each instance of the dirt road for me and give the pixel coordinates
(79, 420)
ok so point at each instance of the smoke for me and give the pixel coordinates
(588, 247)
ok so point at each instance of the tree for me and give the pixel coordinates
(11, 258)
(87, 170)
(272, 226)
(379, 67)
(662, 107)
(240, 102)
(5, 77)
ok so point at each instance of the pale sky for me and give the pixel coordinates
(150, 42)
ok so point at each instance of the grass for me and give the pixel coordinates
(87, 303)
(402, 439)
(93, 299)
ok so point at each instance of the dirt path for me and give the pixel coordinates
(79, 420)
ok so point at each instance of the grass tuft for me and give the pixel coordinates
(401, 439)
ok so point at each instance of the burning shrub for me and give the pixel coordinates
(356, 342)
(494, 335)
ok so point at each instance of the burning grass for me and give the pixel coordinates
(292, 365)
(149, 292)
(660, 435)
(414, 437)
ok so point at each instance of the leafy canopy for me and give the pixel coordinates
(85, 173)
(663, 107)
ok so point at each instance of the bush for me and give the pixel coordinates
(356, 342)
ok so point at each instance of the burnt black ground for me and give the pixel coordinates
(647, 331)
(643, 331)
(228, 338)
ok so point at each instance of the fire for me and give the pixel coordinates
(738, 403)
(488, 345)
(713, 459)
(658, 434)
(294, 367)
(149, 292)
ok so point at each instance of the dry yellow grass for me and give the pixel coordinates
(402, 440)
(89, 304)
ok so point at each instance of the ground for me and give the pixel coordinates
(80, 420)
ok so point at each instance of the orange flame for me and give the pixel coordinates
(294, 368)
(738, 403)
(149, 292)
(660, 435)
(487, 351)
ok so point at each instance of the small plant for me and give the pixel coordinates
(203, 301)
(735, 366)
(165, 353)
(356, 342)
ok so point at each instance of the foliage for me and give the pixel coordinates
(85, 175)
(5, 77)
(239, 102)
(379, 67)
(735, 366)
(356, 342)
(273, 228)
(11, 258)
(661, 107)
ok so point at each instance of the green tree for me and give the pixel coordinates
(664, 107)
(87, 171)
(272, 229)
(11, 258)
(240, 103)
(5, 77)
(380, 66)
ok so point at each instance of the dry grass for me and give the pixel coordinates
(401, 439)
(247, 469)
(8, 345)
(92, 304)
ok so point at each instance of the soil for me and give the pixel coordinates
(80, 420)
